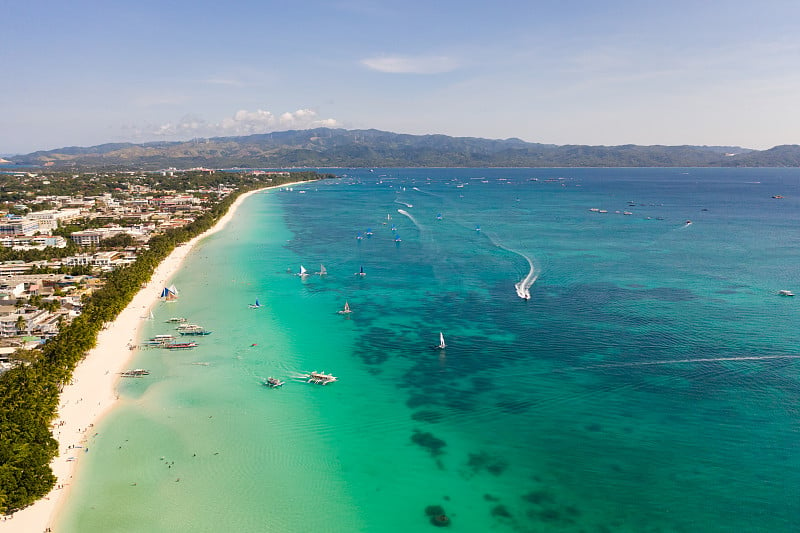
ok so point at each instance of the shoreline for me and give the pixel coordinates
(91, 394)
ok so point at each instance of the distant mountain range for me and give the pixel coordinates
(325, 147)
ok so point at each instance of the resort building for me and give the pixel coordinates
(48, 220)
(13, 225)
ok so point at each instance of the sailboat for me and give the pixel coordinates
(322, 271)
(303, 272)
(170, 294)
(255, 305)
(441, 345)
(361, 272)
(346, 309)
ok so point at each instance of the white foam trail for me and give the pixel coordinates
(694, 360)
(406, 213)
(523, 286)
(404, 203)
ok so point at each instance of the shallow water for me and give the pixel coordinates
(649, 384)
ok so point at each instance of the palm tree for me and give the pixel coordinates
(21, 324)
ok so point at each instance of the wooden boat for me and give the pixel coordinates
(273, 383)
(180, 345)
(135, 373)
(320, 378)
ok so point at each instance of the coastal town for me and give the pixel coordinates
(61, 234)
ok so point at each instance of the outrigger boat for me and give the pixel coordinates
(346, 309)
(255, 305)
(319, 378)
(135, 373)
(195, 331)
(784, 292)
(176, 320)
(189, 327)
(303, 272)
(322, 271)
(160, 339)
(180, 345)
(361, 272)
(273, 383)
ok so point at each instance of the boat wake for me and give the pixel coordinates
(410, 217)
(523, 286)
(684, 361)
(404, 203)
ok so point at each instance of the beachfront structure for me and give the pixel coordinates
(103, 260)
(93, 237)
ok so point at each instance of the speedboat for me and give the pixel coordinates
(784, 292)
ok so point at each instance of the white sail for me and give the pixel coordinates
(303, 271)
(442, 345)
(322, 271)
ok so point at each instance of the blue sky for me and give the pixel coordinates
(82, 73)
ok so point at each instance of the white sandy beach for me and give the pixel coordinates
(92, 392)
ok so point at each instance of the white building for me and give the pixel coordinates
(48, 220)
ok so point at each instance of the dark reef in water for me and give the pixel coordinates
(437, 515)
(428, 441)
(427, 416)
(501, 511)
(484, 461)
(538, 497)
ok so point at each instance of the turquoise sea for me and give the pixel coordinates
(651, 383)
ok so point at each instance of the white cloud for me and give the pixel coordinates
(410, 64)
(244, 122)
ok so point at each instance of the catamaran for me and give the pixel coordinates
(346, 309)
(441, 345)
(303, 272)
(322, 271)
(255, 305)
